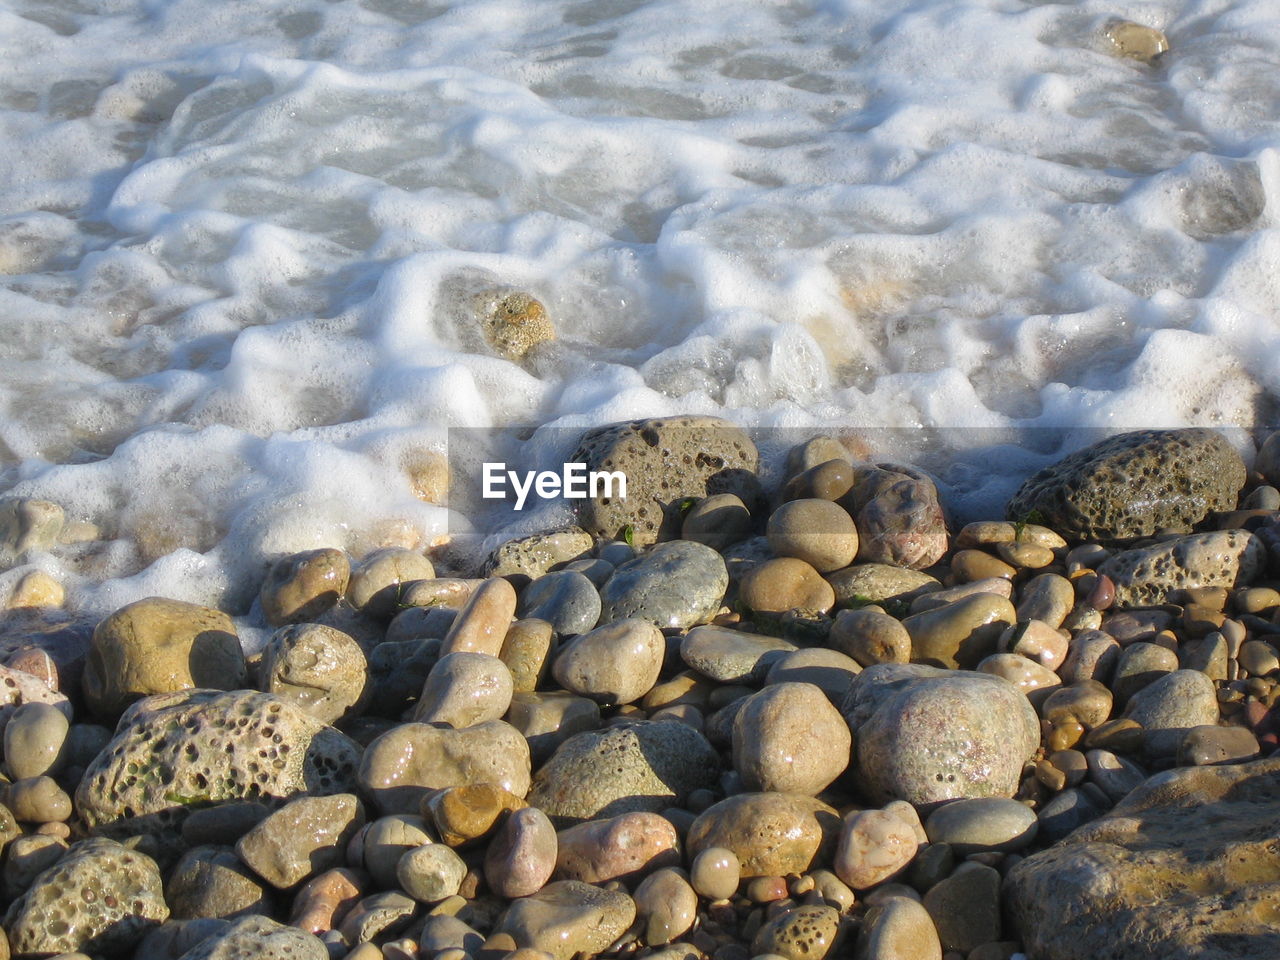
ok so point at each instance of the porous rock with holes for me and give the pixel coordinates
(18, 688)
(100, 898)
(175, 752)
(258, 938)
(664, 460)
(1154, 574)
(1133, 485)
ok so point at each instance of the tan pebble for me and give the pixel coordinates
(301, 587)
(819, 532)
(772, 834)
(625, 847)
(1025, 556)
(870, 637)
(33, 740)
(567, 917)
(381, 913)
(970, 565)
(1050, 776)
(464, 689)
(37, 663)
(988, 532)
(365, 951)
(1064, 735)
(525, 650)
(548, 719)
(469, 812)
(898, 928)
(874, 847)
(1088, 702)
(666, 905)
(1036, 641)
(430, 873)
(376, 583)
(766, 889)
(717, 521)
(908, 815)
(715, 873)
(1091, 655)
(324, 899)
(1135, 41)
(940, 598)
(790, 739)
(1257, 657)
(483, 623)
(783, 584)
(803, 933)
(386, 840)
(37, 800)
(1030, 677)
(819, 450)
(613, 664)
(830, 480)
(448, 592)
(428, 472)
(1256, 600)
(522, 854)
(1047, 597)
(400, 950)
(961, 633)
(1122, 735)
(833, 890)
(887, 891)
(686, 687)
(36, 589)
(828, 670)
(306, 836)
(320, 668)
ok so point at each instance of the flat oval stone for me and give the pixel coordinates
(626, 847)
(1091, 655)
(522, 855)
(1027, 675)
(566, 918)
(961, 633)
(788, 738)
(865, 583)
(400, 766)
(875, 846)
(771, 834)
(870, 637)
(806, 932)
(675, 584)
(828, 670)
(731, 656)
(613, 664)
(783, 584)
(1210, 745)
(464, 689)
(212, 882)
(1048, 598)
(666, 905)
(940, 598)
(981, 824)
(565, 599)
(639, 766)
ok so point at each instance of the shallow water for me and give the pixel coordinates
(240, 241)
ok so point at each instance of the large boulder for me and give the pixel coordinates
(664, 460)
(925, 735)
(1184, 866)
(175, 752)
(1133, 485)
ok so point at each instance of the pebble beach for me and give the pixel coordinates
(804, 722)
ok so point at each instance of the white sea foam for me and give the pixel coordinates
(239, 242)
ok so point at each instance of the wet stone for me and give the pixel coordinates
(1135, 41)
(717, 521)
(982, 824)
(26, 857)
(875, 846)
(675, 584)
(865, 583)
(525, 651)
(1113, 775)
(715, 873)
(898, 929)
(386, 840)
(470, 812)
(667, 906)
(464, 689)
(306, 836)
(804, 933)
(565, 599)
(790, 739)
(903, 525)
(1068, 810)
(731, 656)
(616, 663)
(783, 584)
(819, 532)
(212, 882)
(382, 914)
(483, 623)
(377, 582)
(829, 670)
(568, 917)
(34, 740)
(302, 586)
(961, 633)
(321, 669)
(1155, 574)
(1141, 664)
(771, 834)
(1171, 706)
(1212, 745)
(870, 637)
(528, 558)
(547, 720)
(522, 854)
(626, 847)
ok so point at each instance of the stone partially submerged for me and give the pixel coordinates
(1185, 866)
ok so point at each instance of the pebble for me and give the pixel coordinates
(376, 583)
(939, 598)
(816, 451)
(1025, 556)
(613, 664)
(464, 689)
(1121, 735)
(324, 899)
(1135, 41)
(817, 531)
(34, 741)
(27, 524)
(527, 558)
(828, 670)
(969, 566)
(865, 583)
(321, 669)
(637, 766)
(212, 882)
(306, 836)
(1114, 775)
(731, 656)
(902, 523)
(870, 637)
(965, 907)
(982, 824)
(482, 624)
(566, 599)
(717, 521)
(302, 586)
(526, 650)
(1087, 702)
(1207, 654)
(568, 917)
(430, 873)
(159, 646)
(783, 584)
(26, 857)
(771, 834)
(829, 480)
(790, 739)
(401, 765)
(380, 915)
(1036, 681)
(1091, 655)
(685, 688)
(1212, 745)
(443, 935)
(470, 812)
(436, 593)
(1070, 809)
(1258, 658)
(522, 854)
(898, 929)
(1035, 640)
(627, 847)
(961, 633)
(1155, 574)
(666, 906)
(36, 589)
(1171, 706)
(875, 846)
(803, 933)
(715, 873)
(675, 584)
(548, 719)
(1140, 665)
(1048, 598)
(37, 800)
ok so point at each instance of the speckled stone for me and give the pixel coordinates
(1150, 575)
(377, 581)
(807, 932)
(522, 854)
(513, 322)
(302, 586)
(641, 766)
(568, 917)
(101, 897)
(304, 837)
(771, 834)
(566, 599)
(174, 750)
(616, 663)
(926, 735)
(1134, 484)
(665, 460)
(158, 646)
(400, 766)
(675, 584)
(731, 656)
(258, 938)
(865, 583)
(527, 558)
(431, 872)
(321, 669)
(627, 847)
(1183, 867)
(790, 739)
